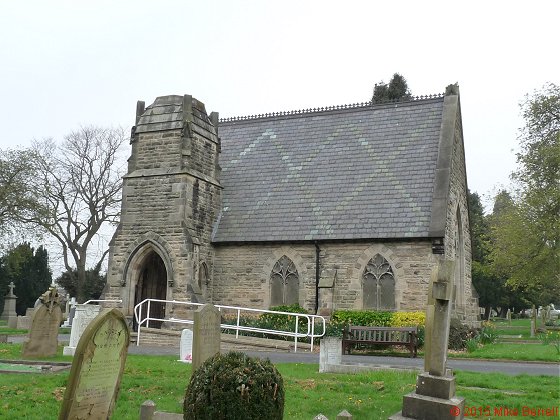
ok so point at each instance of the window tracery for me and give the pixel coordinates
(284, 283)
(378, 284)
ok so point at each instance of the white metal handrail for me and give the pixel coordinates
(311, 319)
(101, 300)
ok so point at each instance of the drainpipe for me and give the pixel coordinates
(317, 274)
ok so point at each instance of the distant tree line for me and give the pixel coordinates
(516, 249)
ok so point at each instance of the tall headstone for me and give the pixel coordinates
(43, 335)
(206, 334)
(434, 397)
(97, 368)
(185, 350)
(83, 316)
(330, 353)
(9, 313)
(533, 322)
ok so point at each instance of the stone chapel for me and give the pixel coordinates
(342, 207)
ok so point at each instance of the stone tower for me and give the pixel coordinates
(171, 197)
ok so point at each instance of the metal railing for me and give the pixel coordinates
(101, 300)
(296, 334)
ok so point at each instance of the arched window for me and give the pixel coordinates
(378, 284)
(284, 283)
(202, 276)
(459, 262)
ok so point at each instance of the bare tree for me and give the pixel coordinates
(81, 183)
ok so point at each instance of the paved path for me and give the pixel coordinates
(473, 365)
(510, 368)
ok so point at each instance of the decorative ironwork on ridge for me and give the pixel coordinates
(330, 108)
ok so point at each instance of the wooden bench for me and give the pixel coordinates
(387, 336)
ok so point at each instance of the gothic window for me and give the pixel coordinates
(284, 283)
(378, 284)
(202, 276)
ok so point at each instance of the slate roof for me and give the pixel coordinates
(359, 173)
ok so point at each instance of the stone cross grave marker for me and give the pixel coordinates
(9, 313)
(330, 353)
(97, 368)
(434, 397)
(83, 316)
(206, 334)
(43, 335)
(185, 354)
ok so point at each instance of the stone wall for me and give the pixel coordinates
(466, 303)
(241, 274)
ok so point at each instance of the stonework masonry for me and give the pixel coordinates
(165, 245)
(242, 274)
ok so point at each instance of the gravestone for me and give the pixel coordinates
(97, 368)
(43, 335)
(186, 346)
(330, 353)
(83, 316)
(71, 312)
(206, 334)
(533, 322)
(434, 397)
(9, 313)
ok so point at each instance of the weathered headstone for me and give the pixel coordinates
(206, 334)
(434, 397)
(9, 313)
(186, 346)
(330, 353)
(97, 368)
(83, 316)
(71, 304)
(43, 335)
(533, 322)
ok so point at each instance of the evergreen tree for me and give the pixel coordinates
(95, 282)
(28, 269)
(396, 90)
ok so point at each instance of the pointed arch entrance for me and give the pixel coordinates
(152, 284)
(148, 274)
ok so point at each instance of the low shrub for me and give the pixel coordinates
(459, 334)
(488, 333)
(235, 386)
(363, 317)
(408, 319)
(472, 344)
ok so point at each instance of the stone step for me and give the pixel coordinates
(167, 338)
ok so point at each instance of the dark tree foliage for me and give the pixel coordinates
(491, 286)
(29, 270)
(95, 282)
(396, 90)
(479, 227)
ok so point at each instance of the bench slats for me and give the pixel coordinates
(406, 336)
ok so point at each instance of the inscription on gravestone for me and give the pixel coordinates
(330, 353)
(97, 368)
(206, 334)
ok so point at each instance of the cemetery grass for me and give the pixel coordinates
(373, 395)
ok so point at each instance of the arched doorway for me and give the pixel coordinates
(152, 284)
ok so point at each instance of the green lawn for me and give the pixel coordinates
(513, 351)
(373, 395)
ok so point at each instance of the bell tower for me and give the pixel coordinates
(170, 200)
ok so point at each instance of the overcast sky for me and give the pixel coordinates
(69, 63)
